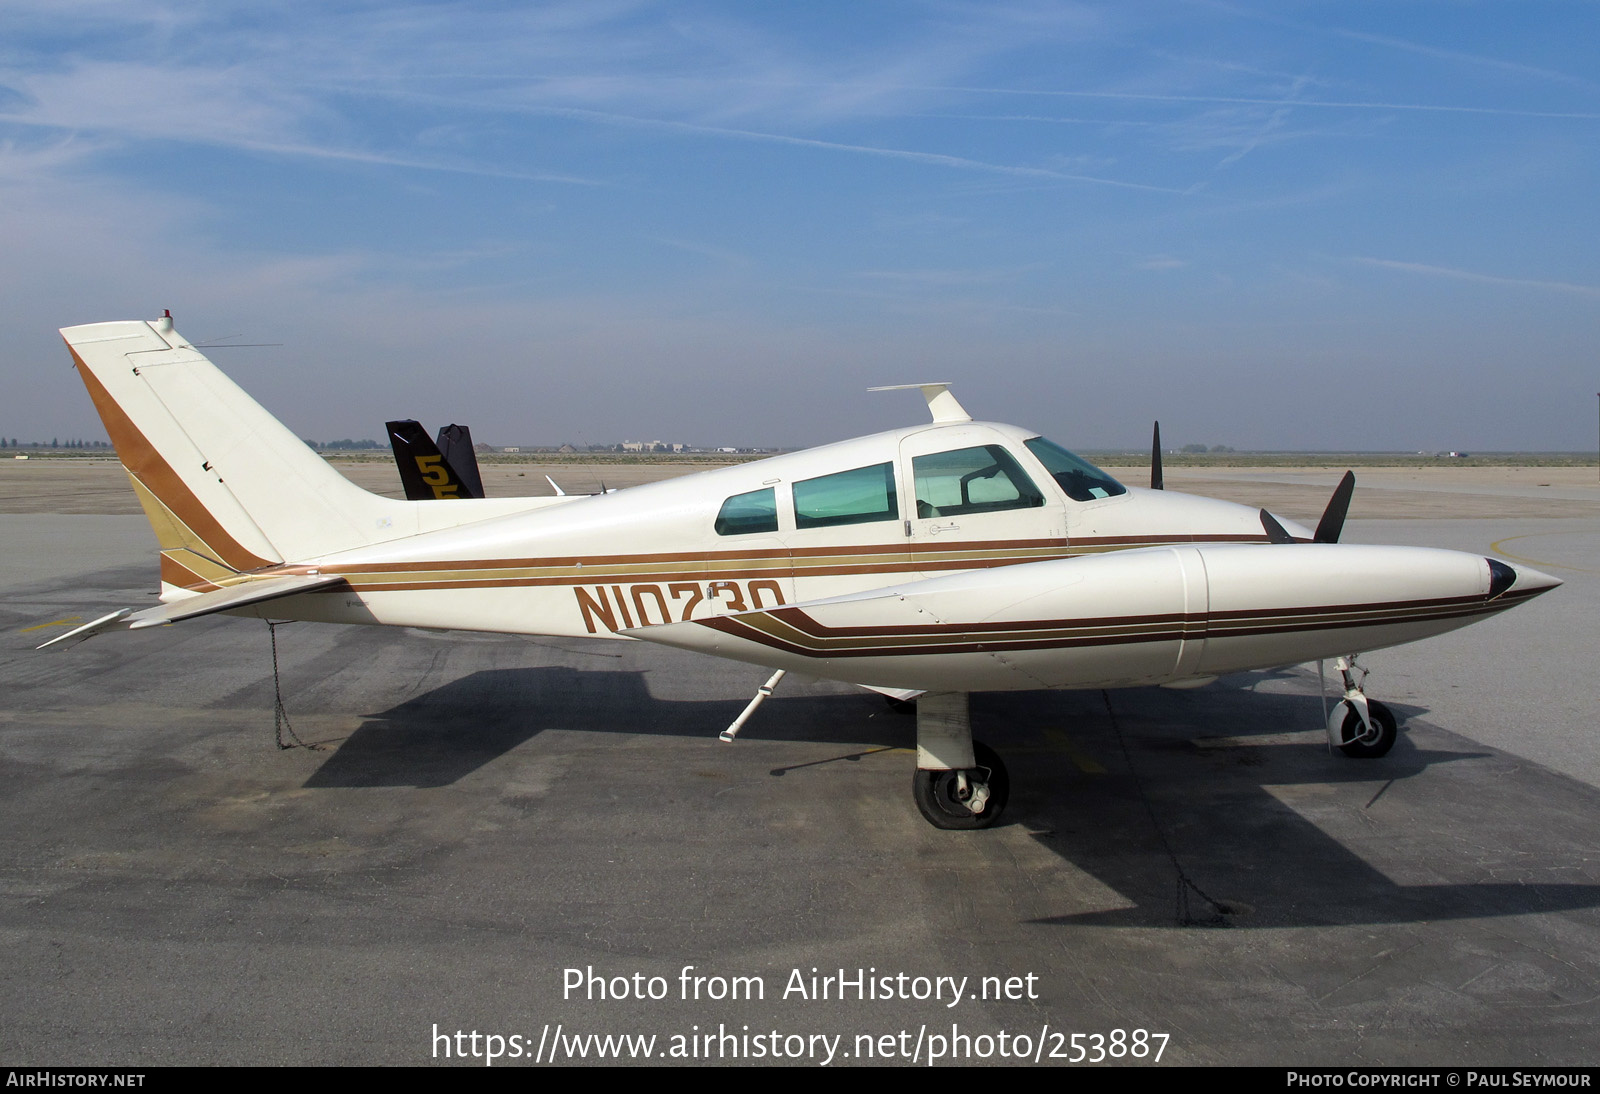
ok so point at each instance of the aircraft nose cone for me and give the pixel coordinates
(1523, 579)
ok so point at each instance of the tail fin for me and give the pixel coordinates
(227, 488)
(455, 444)
(431, 471)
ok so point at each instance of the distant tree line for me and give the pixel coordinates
(345, 445)
(55, 442)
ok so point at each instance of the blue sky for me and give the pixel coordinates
(1271, 225)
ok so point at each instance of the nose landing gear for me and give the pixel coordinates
(1359, 727)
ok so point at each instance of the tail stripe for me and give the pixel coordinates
(195, 572)
(151, 472)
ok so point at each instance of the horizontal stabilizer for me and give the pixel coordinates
(217, 600)
(233, 596)
(90, 629)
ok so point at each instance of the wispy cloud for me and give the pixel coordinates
(1456, 56)
(1277, 101)
(1048, 119)
(1255, 139)
(384, 159)
(660, 90)
(937, 159)
(1386, 41)
(1592, 291)
(218, 108)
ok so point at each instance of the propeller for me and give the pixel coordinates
(1156, 481)
(1276, 533)
(1332, 522)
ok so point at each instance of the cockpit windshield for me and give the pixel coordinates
(1081, 480)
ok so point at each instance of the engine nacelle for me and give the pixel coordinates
(1153, 616)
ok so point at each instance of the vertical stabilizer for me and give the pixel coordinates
(455, 444)
(226, 486)
(434, 471)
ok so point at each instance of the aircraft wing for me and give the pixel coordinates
(217, 600)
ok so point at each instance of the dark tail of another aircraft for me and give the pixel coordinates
(448, 469)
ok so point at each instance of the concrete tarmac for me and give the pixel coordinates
(482, 814)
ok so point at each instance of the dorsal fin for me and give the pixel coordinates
(941, 404)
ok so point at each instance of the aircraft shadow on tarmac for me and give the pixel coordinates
(1137, 788)
(1275, 832)
(439, 736)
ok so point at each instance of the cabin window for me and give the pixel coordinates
(986, 479)
(1081, 480)
(742, 514)
(850, 497)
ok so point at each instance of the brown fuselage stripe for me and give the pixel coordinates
(779, 628)
(802, 623)
(598, 576)
(700, 566)
(902, 555)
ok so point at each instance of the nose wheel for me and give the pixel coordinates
(1369, 740)
(1362, 728)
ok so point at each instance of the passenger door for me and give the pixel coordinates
(970, 502)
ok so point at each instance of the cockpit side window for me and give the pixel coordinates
(859, 496)
(985, 479)
(742, 514)
(1081, 480)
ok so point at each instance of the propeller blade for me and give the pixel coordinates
(1276, 533)
(1332, 522)
(1156, 480)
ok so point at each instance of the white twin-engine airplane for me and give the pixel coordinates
(924, 563)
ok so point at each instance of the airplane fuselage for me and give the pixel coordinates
(666, 553)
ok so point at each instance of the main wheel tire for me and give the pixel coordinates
(938, 797)
(1364, 744)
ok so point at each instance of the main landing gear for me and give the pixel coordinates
(959, 783)
(1359, 727)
